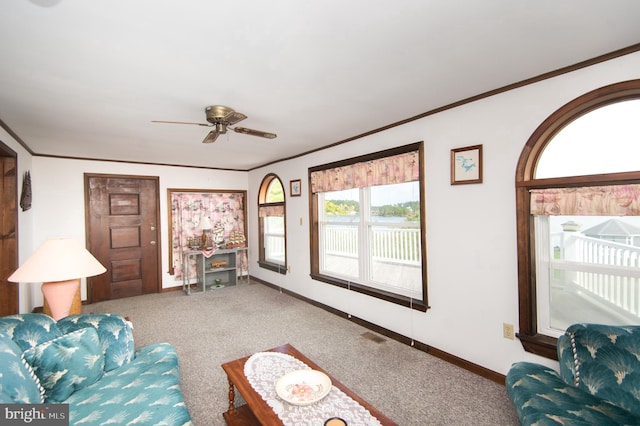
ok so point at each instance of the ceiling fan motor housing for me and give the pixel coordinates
(220, 114)
(221, 118)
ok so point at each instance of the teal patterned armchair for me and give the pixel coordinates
(598, 382)
(89, 362)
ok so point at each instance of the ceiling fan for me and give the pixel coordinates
(222, 118)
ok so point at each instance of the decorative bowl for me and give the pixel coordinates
(303, 387)
(335, 421)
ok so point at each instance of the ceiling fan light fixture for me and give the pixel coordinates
(221, 118)
(221, 128)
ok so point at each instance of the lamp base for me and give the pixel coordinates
(59, 295)
(76, 305)
(203, 239)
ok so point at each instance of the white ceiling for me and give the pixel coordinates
(84, 78)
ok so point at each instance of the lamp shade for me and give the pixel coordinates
(204, 224)
(58, 259)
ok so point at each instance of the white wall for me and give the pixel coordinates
(471, 229)
(59, 204)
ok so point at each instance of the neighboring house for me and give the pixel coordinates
(615, 230)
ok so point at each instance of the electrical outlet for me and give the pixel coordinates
(508, 331)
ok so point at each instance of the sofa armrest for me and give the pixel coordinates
(566, 360)
(540, 396)
(115, 334)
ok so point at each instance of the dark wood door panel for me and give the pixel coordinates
(8, 234)
(124, 204)
(125, 237)
(126, 289)
(126, 270)
(123, 215)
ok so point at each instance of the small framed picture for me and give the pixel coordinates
(466, 165)
(295, 187)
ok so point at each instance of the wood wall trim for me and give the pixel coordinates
(9, 291)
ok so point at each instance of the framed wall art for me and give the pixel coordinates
(466, 165)
(295, 187)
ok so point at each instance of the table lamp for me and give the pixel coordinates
(204, 225)
(58, 264)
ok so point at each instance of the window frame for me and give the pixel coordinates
(262, 202)
(314, 215)
(530, 338)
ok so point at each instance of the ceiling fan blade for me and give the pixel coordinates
(252, 132)
(182, 122)
(211, 137)
(233, 117)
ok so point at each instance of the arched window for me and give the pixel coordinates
(272, 225)
(578, 217)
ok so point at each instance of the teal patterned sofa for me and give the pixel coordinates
(598, 382)
(89, 362)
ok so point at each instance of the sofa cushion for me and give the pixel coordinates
(606, 363)
(18, 383)
(67, 363)
(542, 398)
(145, 391)
(114, 332)
(29, 330)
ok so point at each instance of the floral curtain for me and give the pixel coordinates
(383, 171)
(270, 211)
(611, 200)
(225, 210)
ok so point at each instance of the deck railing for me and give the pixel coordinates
(606, 270)
(388, 244)
(274, 245)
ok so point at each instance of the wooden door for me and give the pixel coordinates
(122, 215)
(8, 235)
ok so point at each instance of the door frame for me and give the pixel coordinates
(9, 231)
(87, 210)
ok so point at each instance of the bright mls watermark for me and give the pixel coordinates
(34, 414)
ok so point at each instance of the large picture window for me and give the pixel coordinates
(578, 206)
(368, 225)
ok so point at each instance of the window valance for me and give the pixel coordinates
(383, 171)
(270, 211)
(610, 200)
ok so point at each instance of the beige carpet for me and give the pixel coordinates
(409, 386)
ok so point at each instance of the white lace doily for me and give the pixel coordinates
(263, 370)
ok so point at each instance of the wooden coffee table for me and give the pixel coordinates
(256, 411)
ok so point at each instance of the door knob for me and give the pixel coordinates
(153, 243)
